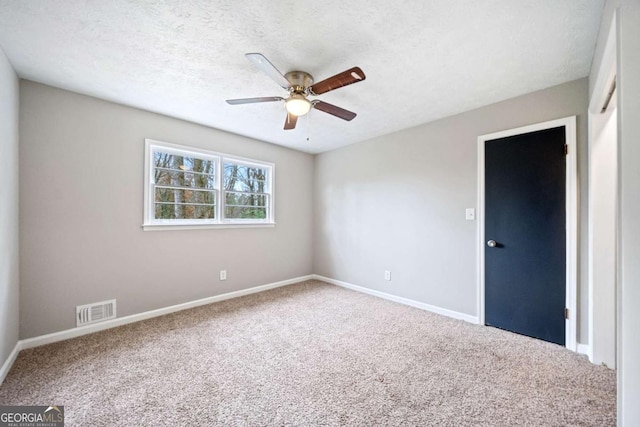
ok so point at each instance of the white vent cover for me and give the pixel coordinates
(96, 312)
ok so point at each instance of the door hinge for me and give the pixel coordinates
(566, 313)
(566, 149)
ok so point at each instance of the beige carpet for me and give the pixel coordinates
(311, 354)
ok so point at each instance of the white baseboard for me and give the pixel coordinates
(85, 330)
(584, 349)
(581, 348)
(401, 300)
(6, 367)
(88, 329)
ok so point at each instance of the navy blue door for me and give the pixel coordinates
(525, 229)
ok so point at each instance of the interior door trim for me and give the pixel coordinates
(571, 187)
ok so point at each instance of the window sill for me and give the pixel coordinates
(167, 227)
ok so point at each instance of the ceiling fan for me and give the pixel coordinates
(300, 86)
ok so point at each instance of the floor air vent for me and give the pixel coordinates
(97, 312)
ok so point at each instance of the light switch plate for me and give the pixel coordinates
(471, 214)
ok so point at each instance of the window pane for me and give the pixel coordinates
(183, 171)
(183, 163)
(172, 170)
(251, 212)
(245, 186)
(177, 195)
(184, 211)
(244, 178)
(184, 179)
(244, 199)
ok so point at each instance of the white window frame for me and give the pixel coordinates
(151, 223)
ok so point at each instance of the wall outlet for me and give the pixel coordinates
(387, 275)
(223, 274)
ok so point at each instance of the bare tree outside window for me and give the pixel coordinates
(185, 187)
(245, 192)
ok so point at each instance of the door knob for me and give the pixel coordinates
(491, 243)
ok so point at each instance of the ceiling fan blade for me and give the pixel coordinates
(254, 100)
(269, 69)
(334, 111)
(291, 121)
(345, 78)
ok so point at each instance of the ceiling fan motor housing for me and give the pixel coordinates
(299, 80)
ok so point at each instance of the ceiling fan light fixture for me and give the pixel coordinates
(297, 105)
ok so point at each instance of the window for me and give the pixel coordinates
(245, 190)
(192, 187)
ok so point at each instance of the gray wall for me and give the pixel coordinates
(81, 195)
(628, 67)
(9, 267)
(398, 202)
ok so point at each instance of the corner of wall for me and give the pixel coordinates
(9, 220)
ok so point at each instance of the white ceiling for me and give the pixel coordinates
(423, 60)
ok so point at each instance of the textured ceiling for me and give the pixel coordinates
(424, 60)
